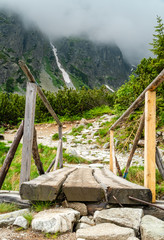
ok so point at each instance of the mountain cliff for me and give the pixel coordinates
(88, 64)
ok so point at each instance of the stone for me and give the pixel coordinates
(106, 145)
(133, 238)
(82, 226)
(21, 222)
(125, 217)
(96, 165)
(105, 231)
(152, 228)
(87, 220)
(83, 121)
(9, 218)
(71, 152)
(94, 146)
(55, 220)
(81, 207)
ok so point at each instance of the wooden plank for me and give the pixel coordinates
(152, 86)
(159, 162)
(137, 137)
(45, 187)
(150, 142)
(40, 92)
(82, 186)
(120, 188)
(35, 154)
(10, 155)
(61, 150)
(28, 132)
(112, 150)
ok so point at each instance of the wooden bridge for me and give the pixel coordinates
(83, 184)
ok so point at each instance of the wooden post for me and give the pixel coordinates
(150, 142)
(28, 132)
(61, 150)
(58, 154)
(35, 154)
(137, 137)
(159, 163)
(10, 155)
(111, 150)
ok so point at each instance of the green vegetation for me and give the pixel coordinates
(55, 136)
(8, 207)
(42, 205)
(3, 151)
(77, 131)
(28, 217)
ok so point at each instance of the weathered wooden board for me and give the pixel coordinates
(45, 187)
(120, 188)
(82, 186)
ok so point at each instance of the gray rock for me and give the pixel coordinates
(94, 146)
(96, 165)
(106, 145)
(9, 218)
(80, 207)
(55, 220)
(83, 121)
(71, 152)
(21, 222)
(125, 217)
(133, 238)
(152, 228)
(105, 231)
(82, 226)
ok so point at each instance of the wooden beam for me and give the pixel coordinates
(61, 150)
(159, 162)
(112, 150)
(152, 86)
(28, 132)
(58, 154)
(137, 138)
(10, 155)
(150, 142)
(35, 154)
(40, 92)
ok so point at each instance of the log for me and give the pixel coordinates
(120, 188)
(150, 142)
(40, 92)
(159, 162)
(35, 154)
(81, 186)
(10, 155)
(51, 165)
(112, 162)
(61, 149)
(137, 137)
(118, 167)
(45, 187)
(28, 132)
(152, 86)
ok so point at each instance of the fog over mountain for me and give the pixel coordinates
(128, 23)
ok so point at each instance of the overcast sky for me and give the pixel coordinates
(128, 23)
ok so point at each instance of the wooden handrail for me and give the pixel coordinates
(31, 78)
(152, 86)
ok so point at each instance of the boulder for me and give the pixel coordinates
(106, 145)
(55, 220)
(88, 220)
(125, 217)
(71, 152)
(81, 207)
(21, 222)
(105, 231)
(82, 226)
(133, 238)
(83, 121)
(152, 228)
(9, 218)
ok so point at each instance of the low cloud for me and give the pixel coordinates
(130, 24)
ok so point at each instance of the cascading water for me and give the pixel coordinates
(109, 88)
(66, 77)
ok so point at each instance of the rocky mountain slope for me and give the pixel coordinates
(88, 64)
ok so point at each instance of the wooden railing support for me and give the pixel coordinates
(137, 137)
(28, 132)
(112, 150)
(58, 154)
(150, 142)
(61, 149)
(10, 155)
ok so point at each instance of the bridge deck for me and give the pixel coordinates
(83, 185)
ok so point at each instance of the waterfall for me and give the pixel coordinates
(65, 75)
(109, 88)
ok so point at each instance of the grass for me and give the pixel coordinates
(77, 131)
(3, 151)
(55, 136)
(42, 205)
(8, 207)
(28, 217)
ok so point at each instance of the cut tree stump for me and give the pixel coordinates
(118, 189)
(45, 187)
(82, 186)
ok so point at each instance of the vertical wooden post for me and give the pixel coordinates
(150, 142)
(28, 132)
(61, 149)
(111, 150)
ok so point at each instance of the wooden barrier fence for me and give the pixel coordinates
(149, 120)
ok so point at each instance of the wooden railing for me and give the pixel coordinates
(149, 120)
(28, 131)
